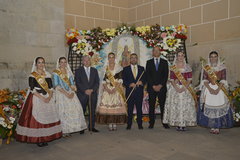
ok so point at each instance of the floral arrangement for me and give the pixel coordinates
(10, 107)
(236, 102)
(91, 41)
(144, 118)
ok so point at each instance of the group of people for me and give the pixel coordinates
(56, 103)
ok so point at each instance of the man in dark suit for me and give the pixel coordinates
(87, 82)
(131, 79)
(157, 76)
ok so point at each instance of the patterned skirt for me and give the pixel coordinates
(111, 109)
(38, 121)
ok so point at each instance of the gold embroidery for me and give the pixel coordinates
(184, 82)
(113, 83)
(64, 77)
(212, 75)
(41, 81)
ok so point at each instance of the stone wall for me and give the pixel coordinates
(29, 28)
(87, 14)
(212, 24)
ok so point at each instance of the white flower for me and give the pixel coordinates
(74, 48)
(1, 119)
(164, 53)
(9, 126)
(74, 44)
(238, 115)
(12, 119)
(6, 109)
(4, 124)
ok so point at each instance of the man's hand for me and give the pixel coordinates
(88, 92)
(132, 85)
(139, 83)
(157, 88)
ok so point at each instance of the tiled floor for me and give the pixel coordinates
(156, 144)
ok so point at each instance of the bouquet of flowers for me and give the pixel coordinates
(236, 102)
(10, 107)
(82, 47)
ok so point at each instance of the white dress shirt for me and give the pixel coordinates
(87, 70)
(136, 69)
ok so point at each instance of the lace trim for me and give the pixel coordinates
(38, 132)
(216, 111)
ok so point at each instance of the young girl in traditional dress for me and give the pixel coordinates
(214, 111)
(111, 109)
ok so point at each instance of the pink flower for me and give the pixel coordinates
(164, 34)
(173, 34)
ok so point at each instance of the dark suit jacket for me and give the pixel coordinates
(128, 78)
(83, 84)
(155, 77)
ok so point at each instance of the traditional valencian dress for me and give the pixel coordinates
(70, 110)
(180, 107)
(112, 108)
(39, 121)
(214, 110)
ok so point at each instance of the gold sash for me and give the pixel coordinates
(41, 81)
(64, 77)
(212, 75)
(113, 82)
(184, 82)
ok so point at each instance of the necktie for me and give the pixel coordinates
(88, 73)
(156, 64)
(134, 71)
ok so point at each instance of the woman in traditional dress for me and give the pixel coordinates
(214, 111)
(39, 122)
(69, 107)
(180, 105)
(111, 109)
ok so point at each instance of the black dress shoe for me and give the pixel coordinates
(94, 130)
(140, 127)
(166, 126)
(128, 128)
(81, 132)
(151, 126)
(45, 143)
(42, 144)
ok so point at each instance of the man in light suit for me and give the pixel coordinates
(87, 82)
(131, 80)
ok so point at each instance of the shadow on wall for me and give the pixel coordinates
(15, 76)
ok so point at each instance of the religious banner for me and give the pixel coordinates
(123, 41)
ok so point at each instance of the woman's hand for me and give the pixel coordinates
(74, 88)
(180, 90)
(70, 95)
(47, 100)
